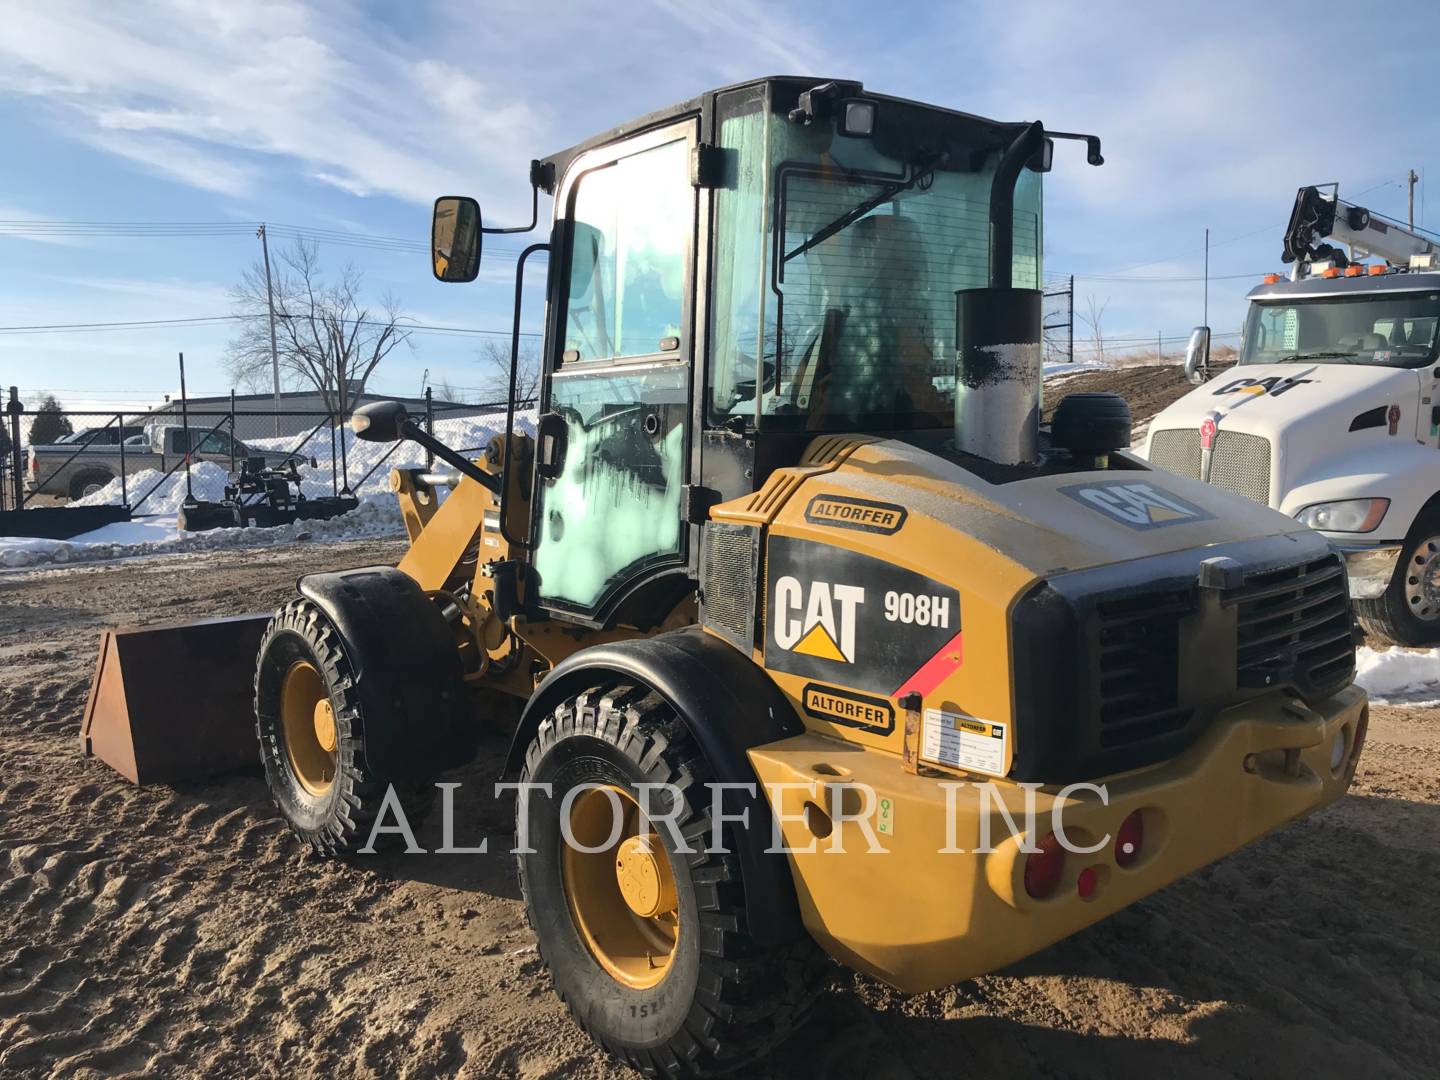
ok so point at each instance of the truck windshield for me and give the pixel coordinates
(835, 275)
(1397, 330)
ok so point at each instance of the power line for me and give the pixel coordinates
(211, 229)
(202, 320)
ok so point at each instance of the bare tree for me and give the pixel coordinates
(1093, 317)
(495, 362)
(326, 338)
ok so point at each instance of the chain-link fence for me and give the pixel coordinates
(153, 462)
(1058, 321)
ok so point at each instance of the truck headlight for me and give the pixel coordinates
(1347, 515)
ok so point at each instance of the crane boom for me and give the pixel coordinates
(1321, 223)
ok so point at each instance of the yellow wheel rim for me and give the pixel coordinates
(622, 897)
(308, 722)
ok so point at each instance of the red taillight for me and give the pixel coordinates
(1129, 840)
(1044, 868)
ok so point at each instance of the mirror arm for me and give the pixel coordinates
(534, 209)
(1092, 144)
(510, 403)
(409, 429)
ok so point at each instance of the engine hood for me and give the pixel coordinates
(1056, 523)
(1267, 399)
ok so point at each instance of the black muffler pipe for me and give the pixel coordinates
(997, 391)
(1002, 203)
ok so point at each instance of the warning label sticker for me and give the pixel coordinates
(963, 742)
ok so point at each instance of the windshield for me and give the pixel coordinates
(835, 276)
(1396, 330)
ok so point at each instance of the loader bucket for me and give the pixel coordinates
(170, 704)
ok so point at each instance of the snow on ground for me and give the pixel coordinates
(1076, 368)
(154, 531)
(1399, 676)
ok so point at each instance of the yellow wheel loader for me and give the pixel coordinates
(821, 639)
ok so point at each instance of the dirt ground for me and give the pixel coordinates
(183, 932)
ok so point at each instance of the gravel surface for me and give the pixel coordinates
(168, 932)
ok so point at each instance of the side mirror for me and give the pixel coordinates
(380, 421)
(1197, 355)
(455, 238)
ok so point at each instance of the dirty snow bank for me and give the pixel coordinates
(1408, 674)
(159, 536)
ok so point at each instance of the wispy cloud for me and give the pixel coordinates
(220, 97)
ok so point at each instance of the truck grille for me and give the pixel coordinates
(1293, 626)
(1240, 463)
(1139, 640)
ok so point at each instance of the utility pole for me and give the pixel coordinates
(1206, 320)
(270, 298)
(1071, 324)
(1411, 180)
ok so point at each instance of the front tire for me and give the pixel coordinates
(310, 726)
(1408, 611)
(650, 952)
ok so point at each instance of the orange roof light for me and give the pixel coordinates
(1354, 271)
(1333, 271)
(1376, 269)
(1271, 279)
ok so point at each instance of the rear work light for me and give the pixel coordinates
(1044, 868)
(1129, 840)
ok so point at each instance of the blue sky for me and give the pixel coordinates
(352, 117)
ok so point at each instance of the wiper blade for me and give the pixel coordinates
(1314, 356)
(854, 214)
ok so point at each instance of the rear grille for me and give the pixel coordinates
(1240, 463)
(1139, 639)
(1293, 626)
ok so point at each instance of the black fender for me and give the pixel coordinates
(728, 704)
(411, 688)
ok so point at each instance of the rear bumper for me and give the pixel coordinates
(932, 909)
(1369, 566)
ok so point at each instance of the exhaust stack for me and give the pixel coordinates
(997, 389)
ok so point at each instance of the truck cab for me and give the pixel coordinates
(1332, 417)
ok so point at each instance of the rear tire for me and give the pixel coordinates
(88, 483)
(720, 999)
(1408, 611)
(318, 777)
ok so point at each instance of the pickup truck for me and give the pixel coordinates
(78, 470)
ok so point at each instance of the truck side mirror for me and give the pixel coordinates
(455, 238)
(1197, 355)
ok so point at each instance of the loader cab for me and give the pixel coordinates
(731, 278)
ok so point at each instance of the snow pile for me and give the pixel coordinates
(468, 435)
(1410, 674)
(155, 533)
(159, 536)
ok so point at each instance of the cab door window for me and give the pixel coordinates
(627, 268)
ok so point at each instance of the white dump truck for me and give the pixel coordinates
(1332, 414)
